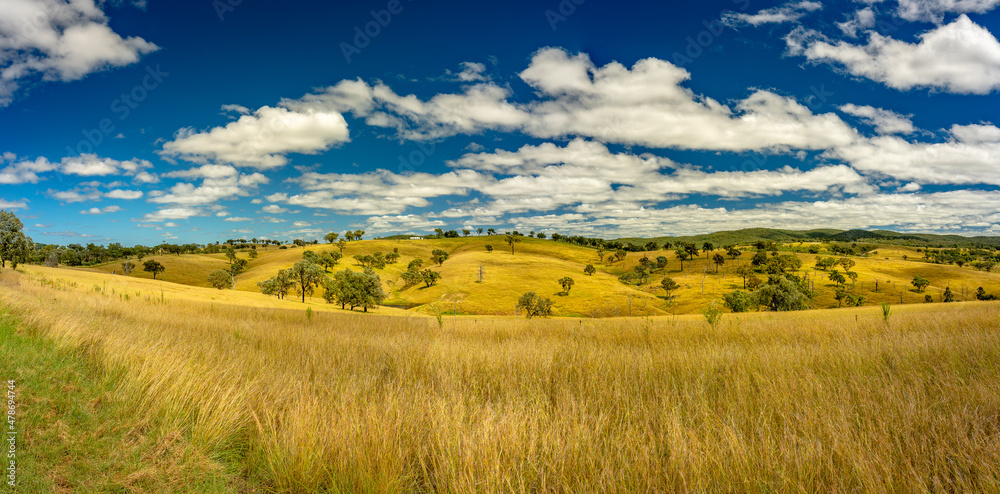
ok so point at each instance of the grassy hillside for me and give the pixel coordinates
(813, 401)
(536, 265)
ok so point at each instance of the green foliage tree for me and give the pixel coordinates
(220, 279)
(331, 237)
(15, 246)
(682, 256)
(733, 252)
(692, 250)
(920, 283)
(415, 265)
(349, 288)
(154, 267)
(739, 301)
(566, 282)
(589, 269)
(439, 256)
(253, 254)
(534, 305)
(847, 263)
(306, 276)
(329, 260)
(278, 285)
(669, 285)
(411, 277)
(782, 294)
(745, 272)
(837, 278)
(719, 260)
(707, 247)
(430, 277)
(948, 296)
(489, 248)
(511, 240)
(341, 244)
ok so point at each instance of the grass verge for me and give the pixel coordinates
(74, 433)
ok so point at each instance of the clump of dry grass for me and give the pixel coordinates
(821, 402)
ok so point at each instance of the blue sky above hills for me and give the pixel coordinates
(196, 121)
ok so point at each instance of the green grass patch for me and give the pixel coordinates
(74, 435)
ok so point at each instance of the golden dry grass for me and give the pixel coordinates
(817, 401)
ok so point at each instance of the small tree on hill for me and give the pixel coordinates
(306, 276)
(782, 294)
(278, 286)
(331, 237)
(920, 283)
(745, 272)
(669, 285)
(590, 270)
(682, 256)
(154, 267)
(719, 260)
(127, 267)
(511, 240)
(354, 289)
(439, 256)
(948, 296)
(534, 305)
(566, 282)
(220, 279)
(837, 278)
(691, 249)
(739, 301)
(430, 277)
(489, 248)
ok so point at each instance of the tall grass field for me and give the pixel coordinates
(815, 401)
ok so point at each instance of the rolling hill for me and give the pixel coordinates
(537, 264)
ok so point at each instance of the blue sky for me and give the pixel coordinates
(195, 121)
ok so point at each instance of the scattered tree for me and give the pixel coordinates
(511, 240)
(782, 294)
(151, 266)
(14, 245)
(430, 277)
(349, 288)
(746, 272)
(948, 296)
(566, 283)
(439, 256)
(307, 276)
(127, 267)
(707, 247)
(682, 255)
(739, 301)
(719, 260)
(331, 237)
(220, 279)
(278, 286)
(590, 270)
(837, 278)
(489, 248)
(920, 283)
(669, 285)
(534, 305)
